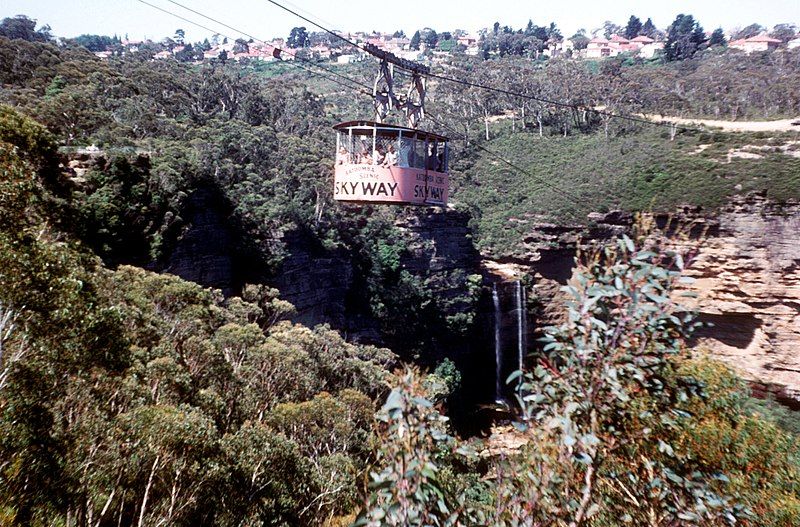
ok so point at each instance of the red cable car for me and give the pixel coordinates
(385, 163)
(377, 162)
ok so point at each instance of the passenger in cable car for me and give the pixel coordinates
(342, 158)
(390, 159)
(431, 158)
(405, 150)
(379, 156)
(365, 158)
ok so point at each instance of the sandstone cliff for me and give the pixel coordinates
(747, 278)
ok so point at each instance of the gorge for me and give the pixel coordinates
(745, 276)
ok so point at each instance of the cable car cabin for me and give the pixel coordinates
(385, 163)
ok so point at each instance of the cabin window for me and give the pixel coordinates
(391, 147)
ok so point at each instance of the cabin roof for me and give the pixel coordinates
(385, 126)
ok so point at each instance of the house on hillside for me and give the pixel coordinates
(757, 43)
(321, 51)
(472, 50)
(647, 47)
(793, 44)
(467, 41)
(394, 44)
(597, 48)
(643, 46)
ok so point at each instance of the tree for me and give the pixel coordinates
(553, 33)
(415, 40)
(649, 29)
(784, 32)
(634, 27)
(684, 38)
(94, 42)
(241, 46)
(298, 38)
(609, 28)
(22, 27)
(750, 31)
(598, 390)
(430, 38)
(717, 38)
(180, 36)
(580, 40)
(399, 34)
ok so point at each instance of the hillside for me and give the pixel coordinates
(561, 180)
(194, 333)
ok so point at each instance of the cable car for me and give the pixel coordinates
(377, 162)
(386, 163)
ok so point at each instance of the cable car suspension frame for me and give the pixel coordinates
(412, 103)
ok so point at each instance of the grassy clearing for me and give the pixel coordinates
(569, 177)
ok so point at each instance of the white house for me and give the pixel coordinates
(757, 43)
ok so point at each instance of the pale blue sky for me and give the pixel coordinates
(73, 17)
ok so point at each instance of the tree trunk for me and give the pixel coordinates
(147, 491)
(486, 122)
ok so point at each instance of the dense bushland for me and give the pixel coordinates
(561, 180)
(623, 426)
(132, 397)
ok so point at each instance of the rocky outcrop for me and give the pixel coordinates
(440, 247)
(320, 282)
(316, 281)
(207, 252)
(747, 278)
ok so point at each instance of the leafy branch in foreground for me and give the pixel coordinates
(601, 404)
(605, 413)
(407, 491)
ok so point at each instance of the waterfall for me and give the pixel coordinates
(498, 356)
(520, 323)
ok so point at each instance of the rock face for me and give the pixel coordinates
(207, 252)
(440, 248)
(747, 277)
(315, 281)
(319, 282)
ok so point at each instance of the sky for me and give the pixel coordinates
(69, 18)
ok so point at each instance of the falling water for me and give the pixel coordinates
(520, 322)
(498, 356)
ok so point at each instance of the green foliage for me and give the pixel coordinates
(444, 381)
(23, 28)
(684, 38)
(133, 398)
(33, 142)
(622, 428)
(598, 410)
(637, 171)
(729, 433)
(406, 491)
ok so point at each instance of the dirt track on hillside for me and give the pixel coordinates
(782, 125)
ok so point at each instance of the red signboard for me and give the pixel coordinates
(382, 184)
